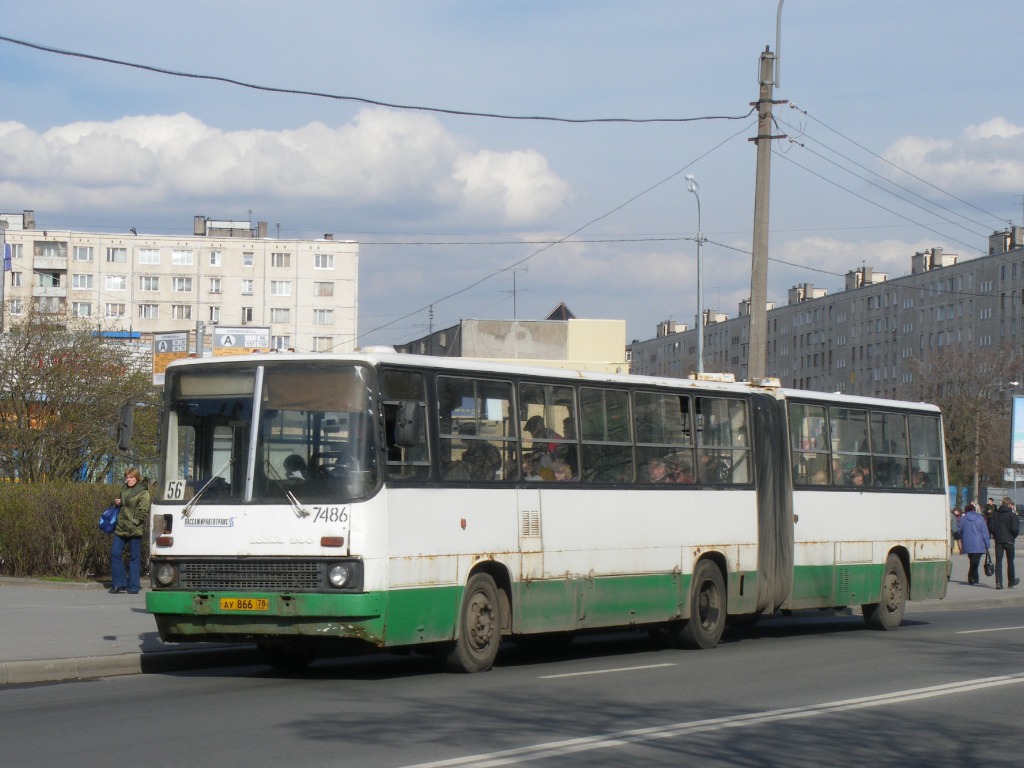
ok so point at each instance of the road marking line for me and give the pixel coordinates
(675, 730)
(604, 671)
(994, 629)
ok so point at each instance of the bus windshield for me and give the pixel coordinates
(314, 439)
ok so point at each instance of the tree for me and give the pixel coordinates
(971, 387)
(62, 387)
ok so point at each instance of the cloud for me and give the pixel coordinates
(985, 158)
(401, 163)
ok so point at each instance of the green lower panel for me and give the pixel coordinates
(858, 584)
(189, 616)
(928, 580)
(400, 617)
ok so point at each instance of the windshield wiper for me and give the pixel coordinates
(296, 505)
(187, 509)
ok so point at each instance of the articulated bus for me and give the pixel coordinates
(306, 502)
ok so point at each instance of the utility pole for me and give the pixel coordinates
(757, 338)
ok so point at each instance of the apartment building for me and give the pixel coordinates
(226, 272)
(864, 339)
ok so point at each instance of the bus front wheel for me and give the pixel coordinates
(888, 612)
(479, 632)
(706, 624)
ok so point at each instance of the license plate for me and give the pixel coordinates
(244, 604)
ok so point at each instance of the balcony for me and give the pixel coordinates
(50, 262)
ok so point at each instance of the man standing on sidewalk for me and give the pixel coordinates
(1005, 527)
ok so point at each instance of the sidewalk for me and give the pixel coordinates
(59, 631)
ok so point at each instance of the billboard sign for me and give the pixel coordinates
(167, 347)
(242, 340)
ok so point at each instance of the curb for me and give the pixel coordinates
(89, 667)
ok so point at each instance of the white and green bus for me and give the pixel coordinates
(308, 501)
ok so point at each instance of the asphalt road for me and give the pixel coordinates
(812, 689)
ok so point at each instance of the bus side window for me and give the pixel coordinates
(403, 400)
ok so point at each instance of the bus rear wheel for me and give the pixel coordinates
(706, 624)
(888, 612)
(479, 633)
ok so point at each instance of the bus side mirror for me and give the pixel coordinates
(124, 427)
(408, 427)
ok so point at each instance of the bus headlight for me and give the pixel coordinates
(165, 574)
(340, 574)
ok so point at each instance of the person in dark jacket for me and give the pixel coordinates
(1005, 527)
(131, 525)
(975, 537)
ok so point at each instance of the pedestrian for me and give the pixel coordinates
(954, 529)
(1005, 527)
(974, 537)
(134, 504)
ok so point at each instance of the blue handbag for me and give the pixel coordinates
(108, 519)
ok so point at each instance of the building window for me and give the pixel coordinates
(15, 307)
(182, 285)
(323, 289)
(116, 283)
(248, 258)
(280, 288)
(246, 315)
(281, 342)
(181, 257)
(149, 311)
(323, 343)
(83, 253)
(214, 285)
(181, 311)
(280, 259)
(113, 310)
(149, 256)
(149, 284)
(16, 279)
(17, 250)
(247, 287)
(51, 249)
(323, 317)
(215, 258)
(214, 314)
(278, 315)
(323, 261)
(81, 282)
(117, 255)
(81, 309)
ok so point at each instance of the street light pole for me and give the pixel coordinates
(695, 189)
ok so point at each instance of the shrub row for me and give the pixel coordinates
(51, 530)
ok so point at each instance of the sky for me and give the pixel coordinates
(902, 129)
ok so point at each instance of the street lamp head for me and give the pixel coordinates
(689, 177)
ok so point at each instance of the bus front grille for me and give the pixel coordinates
(284, 575)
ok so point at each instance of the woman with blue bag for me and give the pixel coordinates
(975, 537)
(134, 505)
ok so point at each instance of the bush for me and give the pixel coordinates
(51, 529)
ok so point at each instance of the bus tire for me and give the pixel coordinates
(479, 632)
(888, 612)
(707, 608)
(287, 657)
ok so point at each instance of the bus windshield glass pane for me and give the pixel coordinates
(207, 429)
(317, 434)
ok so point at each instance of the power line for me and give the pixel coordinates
(358, 99)
(809, 116)
(850, 160)
(553, 243)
